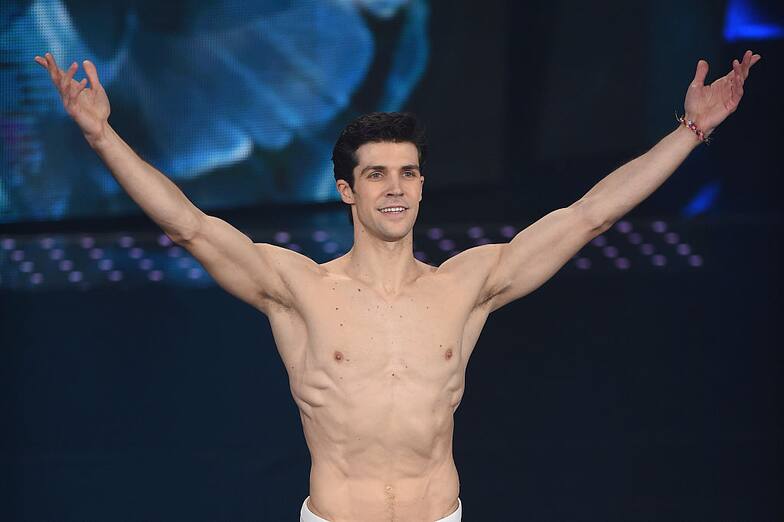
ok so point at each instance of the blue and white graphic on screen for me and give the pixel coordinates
(240, 103)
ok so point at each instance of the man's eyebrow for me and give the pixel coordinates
(383, 167)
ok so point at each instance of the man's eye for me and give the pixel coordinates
(373, 174)
(410, 172)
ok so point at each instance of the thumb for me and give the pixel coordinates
(700, 73)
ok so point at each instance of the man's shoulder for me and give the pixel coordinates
(286, 260)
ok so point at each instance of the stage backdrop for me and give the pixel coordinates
(240, 103)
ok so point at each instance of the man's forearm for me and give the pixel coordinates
(630, 184)
(156, 194)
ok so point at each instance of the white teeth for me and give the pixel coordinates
(392, 209)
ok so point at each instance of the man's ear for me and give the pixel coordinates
(346, 193)
(422, 186)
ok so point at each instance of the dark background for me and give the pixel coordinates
(604, 395)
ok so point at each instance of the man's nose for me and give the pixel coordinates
(394, 188)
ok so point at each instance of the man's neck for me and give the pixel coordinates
(387, 266)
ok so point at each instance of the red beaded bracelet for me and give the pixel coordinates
(691, 125)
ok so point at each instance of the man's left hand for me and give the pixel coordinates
(709, 105)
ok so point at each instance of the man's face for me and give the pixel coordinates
(387, 176)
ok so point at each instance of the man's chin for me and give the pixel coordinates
(393, 232)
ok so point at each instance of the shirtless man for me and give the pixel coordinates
(376, 343)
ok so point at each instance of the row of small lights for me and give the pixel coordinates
(331, 247)
(647, 249)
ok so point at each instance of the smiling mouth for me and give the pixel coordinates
(393, 210)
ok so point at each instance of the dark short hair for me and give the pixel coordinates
(373, 128)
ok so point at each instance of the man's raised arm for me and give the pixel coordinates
(247, 271)
(512, 270)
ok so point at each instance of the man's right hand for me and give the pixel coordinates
(88, 107)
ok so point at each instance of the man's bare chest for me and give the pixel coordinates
(351, 326)
(353, 318)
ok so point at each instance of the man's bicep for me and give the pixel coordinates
(248, 271)
(536, 253)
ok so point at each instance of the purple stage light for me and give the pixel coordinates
(282, 237)
(126, 241)
(294, 246)
(647, 249)
(610, 251)
(195, 273)
(155, 275)
(683, 249)
(599, 241)
(435, 233)
(583, 263)
(330, 247)
(624, 227)
(8, 243)
(46, 243)
(659, 260)
(659, 226)
(446, 244)
(695, 260)
(105, 264)
(145, 264)
(56, 253)
(420, 255)
(320, 236)
(96, 253)
(17, 255)
(508, 231)
(635, 238)
(174, 251)
(36, 278)
(86, 242)
(136, 252)
(26, 266)
(475, 232)
(481, 241)
(65, 265)
(622, 263)
(671, 238)
(115, 275)
(75, 276)
(164, 240)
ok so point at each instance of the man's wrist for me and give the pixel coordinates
(691, 126)
(97, 139)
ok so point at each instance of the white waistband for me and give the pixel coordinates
(306, 515)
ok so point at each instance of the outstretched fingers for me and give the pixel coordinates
(77, 88)
(67, 78)
(64, 80)
(92, 74)
(734, 86)
(51, 66)
(749, 59)
(737, 73)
